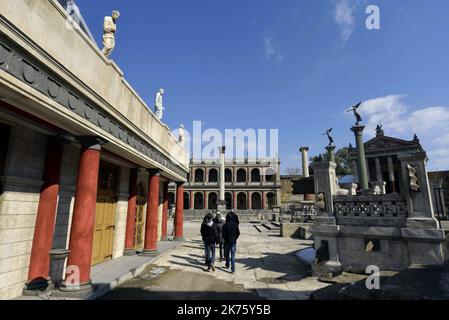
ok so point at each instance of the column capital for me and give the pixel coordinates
(180, 184)
(301, 149)
(91, 142)
(357, 129)
(222, 149)
(154, 172)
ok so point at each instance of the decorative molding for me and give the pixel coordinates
(16, 62)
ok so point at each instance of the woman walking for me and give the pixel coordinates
(219, 221)
(231, 233)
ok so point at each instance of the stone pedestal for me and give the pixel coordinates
(331, 153)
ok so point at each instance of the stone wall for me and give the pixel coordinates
(18, 206)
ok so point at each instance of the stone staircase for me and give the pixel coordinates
(269, 228)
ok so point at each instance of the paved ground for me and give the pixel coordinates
(266, 268)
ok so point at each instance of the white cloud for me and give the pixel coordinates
(431, 124)
(271, 51)
(344, 17)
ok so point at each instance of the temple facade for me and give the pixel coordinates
(84, 163)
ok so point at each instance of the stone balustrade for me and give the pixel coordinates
(388, 206)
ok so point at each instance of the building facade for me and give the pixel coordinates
(84, 164)
(250, 186)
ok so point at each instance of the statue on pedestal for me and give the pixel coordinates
(379, 130)
(357, 115)
(158, 104)
(109, 29)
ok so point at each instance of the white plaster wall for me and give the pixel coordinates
(18, 207)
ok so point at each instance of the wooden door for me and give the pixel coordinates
(105, 213)
(104, 229)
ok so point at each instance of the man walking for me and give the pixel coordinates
(219, 221)
(231, 233)
(210, 237)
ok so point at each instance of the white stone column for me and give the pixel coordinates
(305, 161)
(221, 206)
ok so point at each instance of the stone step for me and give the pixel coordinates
(271, 227)
(276, 224)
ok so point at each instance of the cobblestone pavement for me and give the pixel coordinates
(266, 267)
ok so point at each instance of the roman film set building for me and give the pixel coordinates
(251, 187)
(85, 164)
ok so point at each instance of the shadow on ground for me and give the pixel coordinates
(415, 283)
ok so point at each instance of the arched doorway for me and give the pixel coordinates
(228, 199)
(228, 175)
(241, 175)
(212, 200)
(255, 175)
(271, 200)
(256, 201)
(199, 175)
(186, 201)
(241, 201)
(198, 201)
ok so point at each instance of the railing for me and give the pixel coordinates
(388, 206)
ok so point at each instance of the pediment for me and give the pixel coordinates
(384, 143)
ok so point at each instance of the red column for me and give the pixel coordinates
(164, 211)
(179, 215)
(45, 221)
(83, 219)
(150, 244)
(205, 200)
(131, 215)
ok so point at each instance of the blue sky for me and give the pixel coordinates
(292, 65)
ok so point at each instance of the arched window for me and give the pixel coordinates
(213, 175)
(198, 201)
(271, 200)
(255, 175)
(186, 201)
(241, 175)
(212, 201)
(228, 199)
(256, 201)
(270, 175)
(228, 175)
(199, 175)
(241, 201)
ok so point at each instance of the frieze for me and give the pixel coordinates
(25, 69)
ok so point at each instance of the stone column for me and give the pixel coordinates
(305, 161)
(249, 200)
(179, 214)
(263, 199)
(221, 205)
(38, 273)
(331, 153)
(378, 170)
(150, 243)
(192, 200)
(234, 202)
(205, 202)
(391, 174)
(83, 218)
(355, 171)
(165, 210)
(361, 163)
(325, 229)
(131, 215)
(424, 236)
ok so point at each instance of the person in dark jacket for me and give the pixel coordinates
(219, 221)
(231, 233)
(210, 237)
